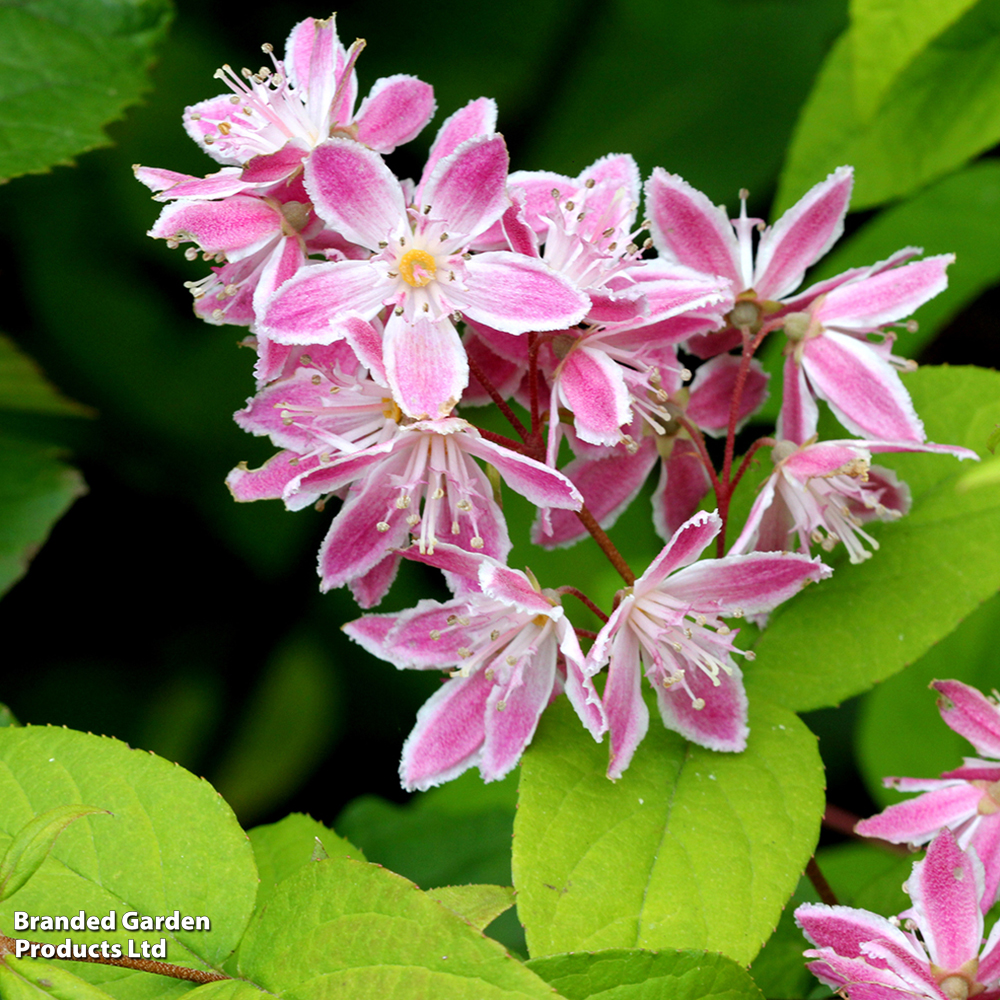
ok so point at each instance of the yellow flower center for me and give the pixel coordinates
(417, 268)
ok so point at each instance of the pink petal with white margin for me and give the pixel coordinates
(608, 485)
(689, 229)
(712, 393)
(270, 168)
(505, 376)
(223, 184)
(593, 388)
(315, 60)
(755, 583)
(917, 820)
(886, 297)
(283, 263)
(477, 118)
(366, 342)
(266, 483)
(369, 589)
(844, 930)
(627, 715)
(512, 587)
(199, 123)
(824, 458)
(517, 294)
(370, 632)
(448, 735)
(799, 414)
(395, 111)
(158, 179)
(513, 710)
(721, 723)
(410, 644)
(683, 484)
(686, 545)
(425, 365)
(864, 392)
(301, 309)
(802, 235)
(467, 190)
(354, 192)
(971, 715)
(989, 960)
(238, 226)
(986, 843)
(580, 688)
(945, 888)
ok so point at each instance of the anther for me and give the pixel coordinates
(382, 527)
(316, 379)
(589, 182)
(477, 542)
(610, 231)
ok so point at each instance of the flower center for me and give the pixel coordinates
(417, 268)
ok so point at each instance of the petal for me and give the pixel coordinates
(266, 483)
(580, 688)
(369, 589)
(448, 735)
(802, 235)
(799, 413)
(238, 226)
(511, 586)
(986, 843)
(754, 535)
(627, 715)
(353, 191)
(425, 365)
(864, 392)
(477, 118)
(683, 484)
(917, 820)
(274, 167)
(517, 294)
(844, 929)
(314, 61)
(712, 392)
(971, 715)
(721, 722)
(689, 229)
(686, 545)
(366, 342)
(395, 111)
(593, 388)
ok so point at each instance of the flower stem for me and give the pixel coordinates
(607, 546)
(585, 599)
(820, 884)
(505, 409)
(505, 441)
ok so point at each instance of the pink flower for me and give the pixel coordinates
(280, 115)
(502, 639)
(669, 626)
(938, 953)
(966, 800)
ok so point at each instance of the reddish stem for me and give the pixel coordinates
(745, 464)
(698, 440)
(607, 546)
(835, 818)
(533, 345)
(584, 633)
(505, 409)
(519, 447)
(585, 599)
(820, 884)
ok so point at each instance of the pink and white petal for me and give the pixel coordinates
(614, 196)
(608, 485)
(313, 57)
(543, 486)
(395, 111)
(753, 534)
(270, 168)
(802, 235)
(266, 483)
(755, 582)
(593, 388)
(366, 341)
(505, 376)
(238, 226)
(411, 643)
(370, 632)
(624, 708)
(712, 392)
(799, 414)
(843, 930)
(689, 229)
(300, 311)
(683, 485)
(226, 182)
(511, 586)
(864, 392)
(200, 124)
(721, 723)
(477, 118)
(989, 960)
(453, 560)
(159, 179)
(686, 545)
(425, 365)
(917, 820)
(467, 189)
(353, 191)
(671, 290)
(482, 530)
(369, 589)
(517, 294)
(579, 686)
(824, 458)
(945, 888)
(449, 733)
(283, 262)
(512, 711)
(885, 297)
(971, 714)
(629, 306)
(707, 345)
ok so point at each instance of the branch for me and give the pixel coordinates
(607, 546)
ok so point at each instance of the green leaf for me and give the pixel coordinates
(621, 974)
(936, 565)
(68, 68)
(288, 727)
(34, 840)
(479, 904)
(7, 717)
(349, 929)
(235, 989)
(29, 979)
(886, 35)
(987, 474)
(281, 849)
(904, 704)
(942, 110)
(24, 388)
(36, 489)
(170, 843)
(689, 849)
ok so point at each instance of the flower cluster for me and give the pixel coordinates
(379, 307)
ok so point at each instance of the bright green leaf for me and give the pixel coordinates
(942, 110)
(170, 843)
(235, 989)
(33, 841)
(68, 68)
(287, 729)
(281, 849)
(36, 489)
(479, 904)
(29, 979)
(987, 474)
(689, 849)
(621, 974)
(23, 387)
(886, 35)
(904, 704)
(936, 565)
(348, 929)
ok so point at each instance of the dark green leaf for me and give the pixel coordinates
(24, 388)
